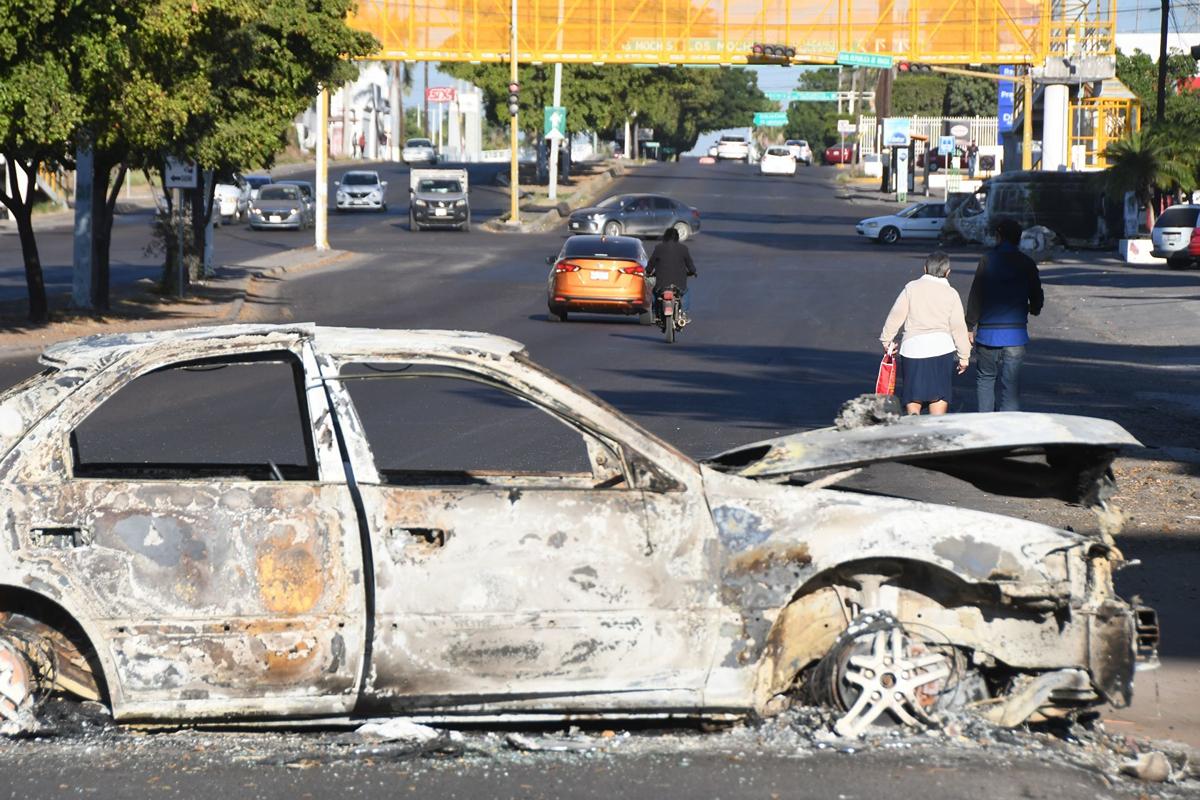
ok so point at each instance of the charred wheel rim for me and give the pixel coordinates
(17, 685)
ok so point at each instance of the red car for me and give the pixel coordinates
(836, 154)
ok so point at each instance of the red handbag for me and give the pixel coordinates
(886, 382)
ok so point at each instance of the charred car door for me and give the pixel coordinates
(199, 506)
(514, 567)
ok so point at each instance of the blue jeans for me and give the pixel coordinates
(1002, 364)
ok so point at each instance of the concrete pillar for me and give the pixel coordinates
(1056, 99)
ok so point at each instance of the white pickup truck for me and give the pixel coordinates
(438, 198)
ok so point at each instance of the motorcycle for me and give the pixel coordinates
(670, 312)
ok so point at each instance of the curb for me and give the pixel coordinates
(546, 220)
(227, 277)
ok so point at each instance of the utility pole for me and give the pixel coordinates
(1162, 63)
(514, 171)
(320, 226)
(556, 102)
(425, 90)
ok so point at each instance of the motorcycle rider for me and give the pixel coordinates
(670, 265)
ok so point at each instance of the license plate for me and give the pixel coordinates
(439, 212)
(276, 219)
(599, 275)
(574, 224)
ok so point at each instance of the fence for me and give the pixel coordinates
(985, 131)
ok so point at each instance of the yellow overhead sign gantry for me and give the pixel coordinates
(722, 31)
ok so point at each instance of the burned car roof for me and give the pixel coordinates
(103, 348)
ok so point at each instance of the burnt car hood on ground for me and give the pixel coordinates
(1012, 453)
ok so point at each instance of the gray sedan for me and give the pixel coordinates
(280, 206)
(636, 215)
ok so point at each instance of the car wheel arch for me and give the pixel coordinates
(70, 630)
(817, 614)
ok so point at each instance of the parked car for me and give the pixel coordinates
(836, 154)
(636, 215)
(360, 189)
(256, 182)
(1176, 236)
(429, 523)
(733, 148)
(777, 160)
(281, 206)
(231, 200)
(439, 198)
(599, 275)
(918, 221)
(800, 150)
(418, 151)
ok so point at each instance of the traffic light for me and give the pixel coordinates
(771, 53)
(910, 67)
(514, 98)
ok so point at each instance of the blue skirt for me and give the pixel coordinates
(926, 380)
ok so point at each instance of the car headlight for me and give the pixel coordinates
(462, 202)
(871, 224)
(419, 202)
(341, 195)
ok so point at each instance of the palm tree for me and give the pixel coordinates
(1152, 160)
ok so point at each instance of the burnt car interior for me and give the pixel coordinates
(234, 400)
(439, 426)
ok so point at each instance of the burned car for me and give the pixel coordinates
(263, 522)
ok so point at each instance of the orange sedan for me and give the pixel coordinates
(599, 275)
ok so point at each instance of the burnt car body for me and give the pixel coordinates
(1073, 205)
(328, 581)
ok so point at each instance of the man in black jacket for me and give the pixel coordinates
(670, 265)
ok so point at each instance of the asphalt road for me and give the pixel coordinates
(787, 306)
(133, 257)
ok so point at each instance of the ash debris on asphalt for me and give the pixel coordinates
(84, 733)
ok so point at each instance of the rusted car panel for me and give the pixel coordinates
(644, 584)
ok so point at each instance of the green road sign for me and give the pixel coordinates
(554, 121)
(802, 97)
(847, 59)
(770, 119)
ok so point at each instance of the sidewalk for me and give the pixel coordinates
(538, 214)
(136, 307)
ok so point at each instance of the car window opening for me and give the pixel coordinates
(440, 426)
(241, 418)
(433, 186)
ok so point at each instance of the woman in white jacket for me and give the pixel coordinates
(928, 327)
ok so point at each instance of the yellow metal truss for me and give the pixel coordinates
(722, 31)
(1096, 122)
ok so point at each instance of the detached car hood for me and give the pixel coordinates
(1012, 453)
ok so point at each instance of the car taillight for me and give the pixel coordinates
(635, 270)
(566, 266)
(1194, 244)
(696, 213)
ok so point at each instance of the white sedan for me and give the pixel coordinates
(800, 149)
(918, 221)
(778, 160)
(419, 151)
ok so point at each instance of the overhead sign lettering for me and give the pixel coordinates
(440, 94)
(802, 97)
(848, 59)
(770, 119)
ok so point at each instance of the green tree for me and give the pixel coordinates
(1162, 158)
(39, 109)
(679, 103)
(918, 95)
(970, 97)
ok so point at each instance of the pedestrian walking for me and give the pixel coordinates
(927, 320)
(362, 145)
(1006, 290)
(972, 158)
(353, 146)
